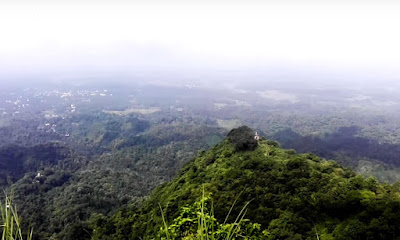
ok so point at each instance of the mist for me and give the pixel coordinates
(213, 44)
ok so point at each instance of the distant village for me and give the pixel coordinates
(12, 104)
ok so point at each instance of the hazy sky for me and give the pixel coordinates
(120, 35)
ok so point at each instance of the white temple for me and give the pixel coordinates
(256, 137)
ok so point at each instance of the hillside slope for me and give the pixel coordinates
(293, 196)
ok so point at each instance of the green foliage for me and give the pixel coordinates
(293, 196)
(242, 138)
(197, 221)
(109, 161)
(106, 163)
(11, 223)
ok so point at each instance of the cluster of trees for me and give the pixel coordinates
(349, 136)
(345, 146)
(16, 161)
(242, 138)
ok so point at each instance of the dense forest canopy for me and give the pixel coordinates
(71, 154)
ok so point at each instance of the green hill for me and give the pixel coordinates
(292, 196)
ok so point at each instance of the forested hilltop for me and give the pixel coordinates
(291, 196)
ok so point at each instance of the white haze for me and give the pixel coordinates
(355, 37)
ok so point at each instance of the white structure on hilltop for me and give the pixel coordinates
(256, 137)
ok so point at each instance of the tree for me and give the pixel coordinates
(242, 138)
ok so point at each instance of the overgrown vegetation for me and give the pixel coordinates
(197, 222)
(11, 223)
(293, 196)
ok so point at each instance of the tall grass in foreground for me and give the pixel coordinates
(11, 223)
(197, 222)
